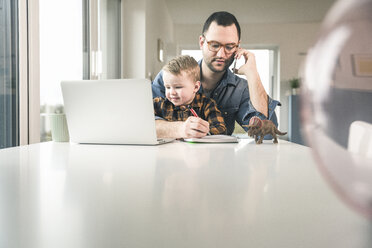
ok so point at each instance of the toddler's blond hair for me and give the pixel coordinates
(184, 63)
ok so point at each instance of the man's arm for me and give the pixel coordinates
(167, 129)
(158, 89)
(257, 92)
(193, 127)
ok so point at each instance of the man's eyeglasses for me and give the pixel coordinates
(215, 46)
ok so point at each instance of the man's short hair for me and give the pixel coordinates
(222, 18)
(184, 63)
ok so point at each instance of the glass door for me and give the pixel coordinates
(9, 80)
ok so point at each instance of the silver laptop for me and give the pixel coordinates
(113, 111)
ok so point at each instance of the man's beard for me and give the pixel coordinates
(228, 62)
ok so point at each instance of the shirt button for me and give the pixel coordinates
(225, 113)
(215, 94)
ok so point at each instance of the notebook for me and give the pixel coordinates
(213, 139)
(113, 111)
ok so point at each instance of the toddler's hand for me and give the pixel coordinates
(195, 127)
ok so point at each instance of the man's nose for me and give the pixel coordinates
(221, 52)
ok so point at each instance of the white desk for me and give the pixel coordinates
(173, 195)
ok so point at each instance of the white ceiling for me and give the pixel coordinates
(250, 11)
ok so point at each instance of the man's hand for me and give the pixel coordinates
(257, 92)
(195, 127)
(250, 62)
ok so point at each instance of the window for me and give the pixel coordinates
(61, 54)
(9, 94)
(83, 44)
(196, 54)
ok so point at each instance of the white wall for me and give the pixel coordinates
(134, 39)
(292, 39)
(159, 25)
(144, 21)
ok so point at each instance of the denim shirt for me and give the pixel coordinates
(232, 97)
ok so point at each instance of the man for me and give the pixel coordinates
(237, 99)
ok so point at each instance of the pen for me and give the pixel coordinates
(193, 112)
(196, 115)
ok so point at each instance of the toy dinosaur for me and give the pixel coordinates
(258, 128)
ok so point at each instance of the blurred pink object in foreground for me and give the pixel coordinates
(336, 106)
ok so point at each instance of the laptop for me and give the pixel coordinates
(112, 111)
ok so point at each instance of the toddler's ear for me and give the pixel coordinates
(197, 86)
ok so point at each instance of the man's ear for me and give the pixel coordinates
(201, 41)
(197, 86)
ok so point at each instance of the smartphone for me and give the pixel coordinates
(234, 66)
(237, 63)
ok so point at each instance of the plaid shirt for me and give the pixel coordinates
(205, 108)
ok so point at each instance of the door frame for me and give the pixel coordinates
(29, 72)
